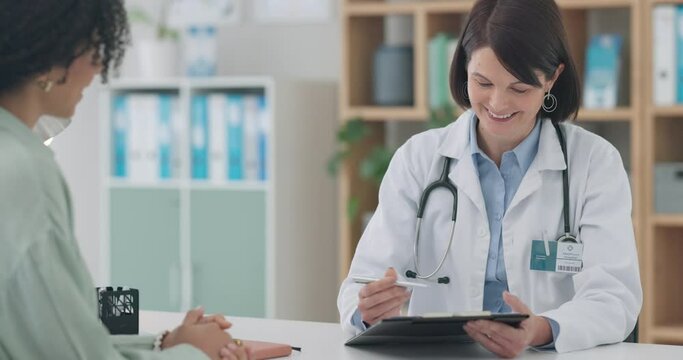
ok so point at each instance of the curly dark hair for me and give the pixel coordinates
(36, 35)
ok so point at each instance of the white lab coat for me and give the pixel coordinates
(599, 305)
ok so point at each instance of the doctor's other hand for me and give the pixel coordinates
(507, 341)
(382, 299)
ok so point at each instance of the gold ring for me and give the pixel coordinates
(237, 342)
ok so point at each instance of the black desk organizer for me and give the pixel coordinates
(119, 309)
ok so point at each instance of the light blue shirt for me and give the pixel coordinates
(498, 186)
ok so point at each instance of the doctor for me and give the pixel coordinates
(563, 246)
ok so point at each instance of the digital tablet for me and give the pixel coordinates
(427, 329)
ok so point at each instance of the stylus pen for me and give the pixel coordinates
(405, 284)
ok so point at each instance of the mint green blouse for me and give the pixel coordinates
(48, 308)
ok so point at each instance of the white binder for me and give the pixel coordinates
(664, 45)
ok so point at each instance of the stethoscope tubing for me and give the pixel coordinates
(445, 183)
(443, 258)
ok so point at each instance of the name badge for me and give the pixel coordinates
(561, 257)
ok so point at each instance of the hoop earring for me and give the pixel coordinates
(465, 94)
(553, 102)
(45, 85)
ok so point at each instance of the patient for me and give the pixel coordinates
(50, 50)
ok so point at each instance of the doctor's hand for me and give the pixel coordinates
(507, 341)
(382, 299)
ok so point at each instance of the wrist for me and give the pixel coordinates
(543, 333)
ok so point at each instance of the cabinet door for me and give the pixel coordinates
(228, 237)
(145, 243)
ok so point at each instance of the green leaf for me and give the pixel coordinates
(353, 131)
(442, 116)
(375, 165)
(137, 14)
(167, 33)
(352, 207)
(335, 162)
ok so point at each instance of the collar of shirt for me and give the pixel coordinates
(524, 152)
(10, 123)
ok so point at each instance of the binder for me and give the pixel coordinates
(120, 126)
(178, 129)
(199, 134)
(165, 136)
(136, 131)
(235, 114)
(149, 111)
(603, 66)
(438, 71)
(679, 54)
(263, 135)
(664, 45)
(250, 149)
(217, 139)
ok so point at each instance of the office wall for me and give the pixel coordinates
(294, 51)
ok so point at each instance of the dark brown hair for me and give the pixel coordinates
(525, 35)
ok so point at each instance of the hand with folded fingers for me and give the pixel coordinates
(207, 333)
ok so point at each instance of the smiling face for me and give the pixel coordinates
(506, 107)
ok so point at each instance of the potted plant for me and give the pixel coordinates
(157, 55)
(374, 165)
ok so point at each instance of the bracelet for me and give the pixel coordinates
(159, 340)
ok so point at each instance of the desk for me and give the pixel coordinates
(326, 341)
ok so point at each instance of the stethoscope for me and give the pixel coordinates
(444, 182)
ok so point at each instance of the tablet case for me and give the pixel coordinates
(418, 329)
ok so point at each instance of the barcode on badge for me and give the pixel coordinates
(573, 269)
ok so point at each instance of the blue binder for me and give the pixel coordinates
(199, 134)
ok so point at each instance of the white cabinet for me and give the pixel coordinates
(246, 227)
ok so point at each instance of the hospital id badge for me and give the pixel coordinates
(561, 257)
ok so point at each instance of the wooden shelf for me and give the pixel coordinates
(617, 114)
(669, 111)
(383, 113)
(382, 8)
(667, 220)
(595, 4)
(385, 8)
(659, 2)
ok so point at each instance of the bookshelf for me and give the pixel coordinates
(166, 237)
(364, 29)
(239, 247)
(661, 268)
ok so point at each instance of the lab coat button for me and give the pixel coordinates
(482, 232)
